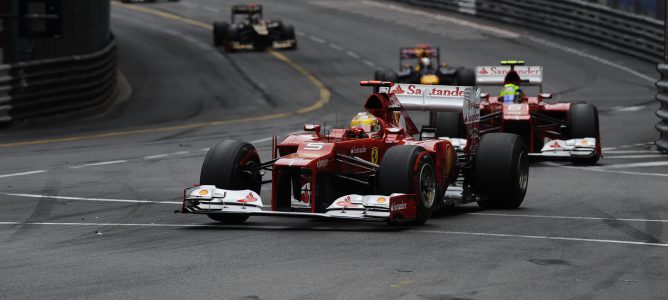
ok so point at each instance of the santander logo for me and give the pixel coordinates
(412, 90)
(249, 198)
(483, 71)
(398, 90)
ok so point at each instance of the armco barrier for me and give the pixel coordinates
(630, 34)
(662, 112)
(59, 85)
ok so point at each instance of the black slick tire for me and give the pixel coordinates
(466, 77)
(450, 124)
(410, 170)
(226, 166)
(220, 30)
(501, 171)
(583, 124)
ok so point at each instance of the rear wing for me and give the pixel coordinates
(437, 98)
(494, 75)
(246, 9)
(416, 52)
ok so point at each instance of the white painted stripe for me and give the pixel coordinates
(23, 173)
(369, 63)
(262, 140)
(598, 169)
(636, 165)
(300, 33)
(628, 108)
(156, 156)
(317, 39)
(482, 234)
(638, 156)
(628, 151)
(450, 19)
(87, 199)
(180, 152)
(205, 149)
(352, 54)
(540, 237)
(104, 163)
(336, 47)
(568, 217)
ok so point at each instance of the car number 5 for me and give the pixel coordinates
(314, 146)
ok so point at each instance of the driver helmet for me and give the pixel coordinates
(425, 61)
(366, 121)
(255, 19)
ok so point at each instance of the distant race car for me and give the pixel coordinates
(372, 170)
(249, 31)
(551, 131)
(421, 65)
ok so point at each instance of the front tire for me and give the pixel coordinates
(228, 165)
(584, 124)
(396, 174)
(501, 171)
(220, 30)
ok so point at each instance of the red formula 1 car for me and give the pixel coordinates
(373, 170)
(551, 131)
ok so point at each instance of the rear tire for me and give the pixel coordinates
(450, 124)
(225, 167)
(584, 124)
(466, 77)
(396, 175)
(391, 76)
(501, 171)
(379, 75)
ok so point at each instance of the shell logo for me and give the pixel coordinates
(381, 200)
(203, 192)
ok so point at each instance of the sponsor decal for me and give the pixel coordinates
(503, 70)
(346, 203)
(515, 107)
(322, 163)
(483, 71)
(374, 155)
(584, 142)
(314, 146)
(203, 192)
(398, 90)
(399, 206)
(555, 145)
(381, 200)
(357, 150)
(414, 90)
(249, 198)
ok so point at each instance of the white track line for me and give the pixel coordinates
(23, 173)
(636, 165)
(87, 199)
(181, 153)
(104, 163)
(628, 151)
(317, 39)
(262, 140)
(352, 54)
(638, 156)
(539, 237)
(567, 217)
(155, 156)
(483, 234)
(336, 47)
(598, 169)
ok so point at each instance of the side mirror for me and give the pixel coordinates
(312, 127)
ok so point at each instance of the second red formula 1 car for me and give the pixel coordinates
(372, 170)
(551, 131)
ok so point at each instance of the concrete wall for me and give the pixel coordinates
(85, 30)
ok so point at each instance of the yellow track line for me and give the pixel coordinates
(325, 94)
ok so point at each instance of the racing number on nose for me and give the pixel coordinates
(374, 155)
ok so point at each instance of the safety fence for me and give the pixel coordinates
(662, 112)
(55, 86)
(631, 34)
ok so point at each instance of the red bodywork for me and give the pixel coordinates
(303, 157)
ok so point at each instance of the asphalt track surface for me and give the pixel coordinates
(87, 205)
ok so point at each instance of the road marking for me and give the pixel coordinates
(450, 19)
(482, 234)
(155, 156)
(369, 63)
(402, 283)
(628, 151)
(181, 153)
(299, 33)
(352, 54)
(627, 108)
(544, 237)
(104, 163)
(635, 165)
(336, 47)
(599, 169)
(637, 156)
(262, 140)
(87, 199)
(205, 149)
(316, 39)
(325, 94)
(23, 173)
(568, 217)
(324, 98)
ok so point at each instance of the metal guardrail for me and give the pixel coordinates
(631, 34)
(53, 86)
(662, 112)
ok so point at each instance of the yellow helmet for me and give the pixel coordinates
(365, 121)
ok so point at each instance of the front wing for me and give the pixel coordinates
(280, 44)
(207, 199)
(574, 148)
